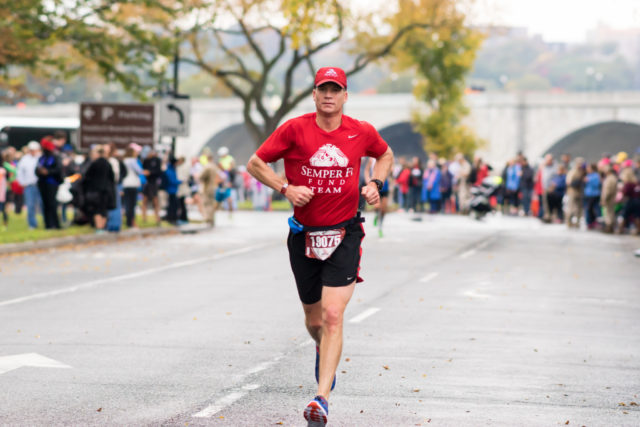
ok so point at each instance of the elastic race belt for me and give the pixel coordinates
(297, 227)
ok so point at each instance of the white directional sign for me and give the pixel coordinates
(174, 116)
(9, 363)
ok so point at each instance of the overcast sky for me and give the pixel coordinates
(559, 20)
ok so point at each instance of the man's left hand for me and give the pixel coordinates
(370, 193)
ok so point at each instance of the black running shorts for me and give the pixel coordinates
(340, 269)
(151, 188)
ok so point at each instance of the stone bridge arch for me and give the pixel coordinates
(404, 141)
(548, 120)
(592, 141)
(237, 139)
(534, 122)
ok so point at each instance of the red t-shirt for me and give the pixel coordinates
(326, 162)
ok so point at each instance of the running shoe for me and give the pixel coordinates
(333, 385)
(316, 412)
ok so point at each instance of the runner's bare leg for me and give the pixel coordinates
(334, 302)
(313, 320)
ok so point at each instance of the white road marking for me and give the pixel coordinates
(468, 253)
(475, 249)
(484, 244)
(137, 274)
(258, 368)
(261, 367)
(225, 401)
(428, 277)
(9, 363)
(368, 312)
(475, 294)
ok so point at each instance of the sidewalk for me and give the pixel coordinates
(57, 242)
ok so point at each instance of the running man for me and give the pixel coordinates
(322, 153)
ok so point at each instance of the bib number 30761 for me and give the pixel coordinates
(321, 244)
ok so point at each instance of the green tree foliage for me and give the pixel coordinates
(442, 56)
(247, 44)
(121, 40)
(263, 51)
(45, 41)
(26, 35)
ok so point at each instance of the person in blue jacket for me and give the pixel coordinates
(170, 184)
(431, 186)
(592, 195)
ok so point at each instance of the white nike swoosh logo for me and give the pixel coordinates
(352, 136)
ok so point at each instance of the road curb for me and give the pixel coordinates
(53, 243)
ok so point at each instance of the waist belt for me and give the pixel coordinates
(297, 227)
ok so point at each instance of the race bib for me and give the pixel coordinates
(321, 244)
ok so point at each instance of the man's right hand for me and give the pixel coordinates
(299, 195)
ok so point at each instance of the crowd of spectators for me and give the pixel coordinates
(109, 188)
(602, 195)
(443, 186)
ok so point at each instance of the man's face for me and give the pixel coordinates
(329, 98)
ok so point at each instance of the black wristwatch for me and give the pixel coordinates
(378, 183)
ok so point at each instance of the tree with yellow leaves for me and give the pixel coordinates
(26, 33)
(442, 55)
(264, 52)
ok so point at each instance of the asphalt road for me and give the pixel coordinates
(459, 323)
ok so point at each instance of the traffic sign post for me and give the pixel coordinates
(174, 116)
(122, 124)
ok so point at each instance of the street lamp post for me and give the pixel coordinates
(176, 66)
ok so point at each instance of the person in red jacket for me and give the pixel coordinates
(402, 180)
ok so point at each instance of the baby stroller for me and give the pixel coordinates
(481, 194)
